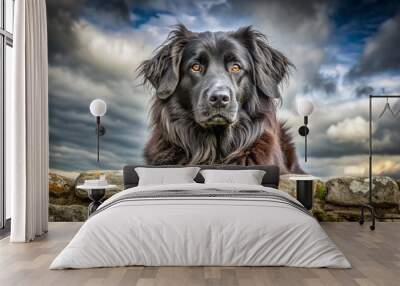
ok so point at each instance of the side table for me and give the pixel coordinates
(96, 195)
(304, 189)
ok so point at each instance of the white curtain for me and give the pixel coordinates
(27, 124)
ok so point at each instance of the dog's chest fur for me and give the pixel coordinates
(187, 144)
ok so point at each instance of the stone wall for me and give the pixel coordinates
(337, 199)
(67, 203)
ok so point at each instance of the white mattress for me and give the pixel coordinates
(193, 231)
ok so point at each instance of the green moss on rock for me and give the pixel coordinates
(320, 191)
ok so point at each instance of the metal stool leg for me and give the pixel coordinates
(373, 215)
(361, 221)
(372, 227)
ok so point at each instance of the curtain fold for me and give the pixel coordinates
(27, 124)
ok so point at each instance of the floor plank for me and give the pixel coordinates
(375, 257)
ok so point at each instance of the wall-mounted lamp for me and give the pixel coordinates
(304, 107)
(98, 108)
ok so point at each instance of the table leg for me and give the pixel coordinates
(96, 196)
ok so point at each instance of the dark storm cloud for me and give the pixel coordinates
(380, 53)
(322, 83)
(296, 11)
(173, 6)
(364, 90)
(60, 17)
(387, 135)
(115, 14)
(119, 9)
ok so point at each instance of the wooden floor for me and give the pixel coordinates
(375, 257)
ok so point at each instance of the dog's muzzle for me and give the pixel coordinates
(219, 107)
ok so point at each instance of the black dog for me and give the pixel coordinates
(215, 101)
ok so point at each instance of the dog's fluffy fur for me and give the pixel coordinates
(254, 136)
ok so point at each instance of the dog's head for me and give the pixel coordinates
(216, 76)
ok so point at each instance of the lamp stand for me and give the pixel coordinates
(100, 131)
(303, 131)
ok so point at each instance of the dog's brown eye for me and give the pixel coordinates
(196, 68)
(235, 68)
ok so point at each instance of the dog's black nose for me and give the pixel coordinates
(219, 98)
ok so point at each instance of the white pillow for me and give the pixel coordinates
(248, 177)
(164, 176)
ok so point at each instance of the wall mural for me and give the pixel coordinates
(216, 82)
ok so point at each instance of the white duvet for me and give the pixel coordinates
(200, 231)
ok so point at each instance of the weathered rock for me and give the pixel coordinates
(67, 213)
(59, 185)
(329, 212)
(113, 177)
(353, 191)
(61, 191)
(288, 186)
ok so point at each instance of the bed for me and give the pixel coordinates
(198, 224)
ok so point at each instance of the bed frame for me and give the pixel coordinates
(270, 179)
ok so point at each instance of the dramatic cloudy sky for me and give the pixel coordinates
(342, 50)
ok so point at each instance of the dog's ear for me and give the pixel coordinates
(162, 71)
(270, 66)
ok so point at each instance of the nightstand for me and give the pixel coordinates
(96, 194)
(304, 189)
